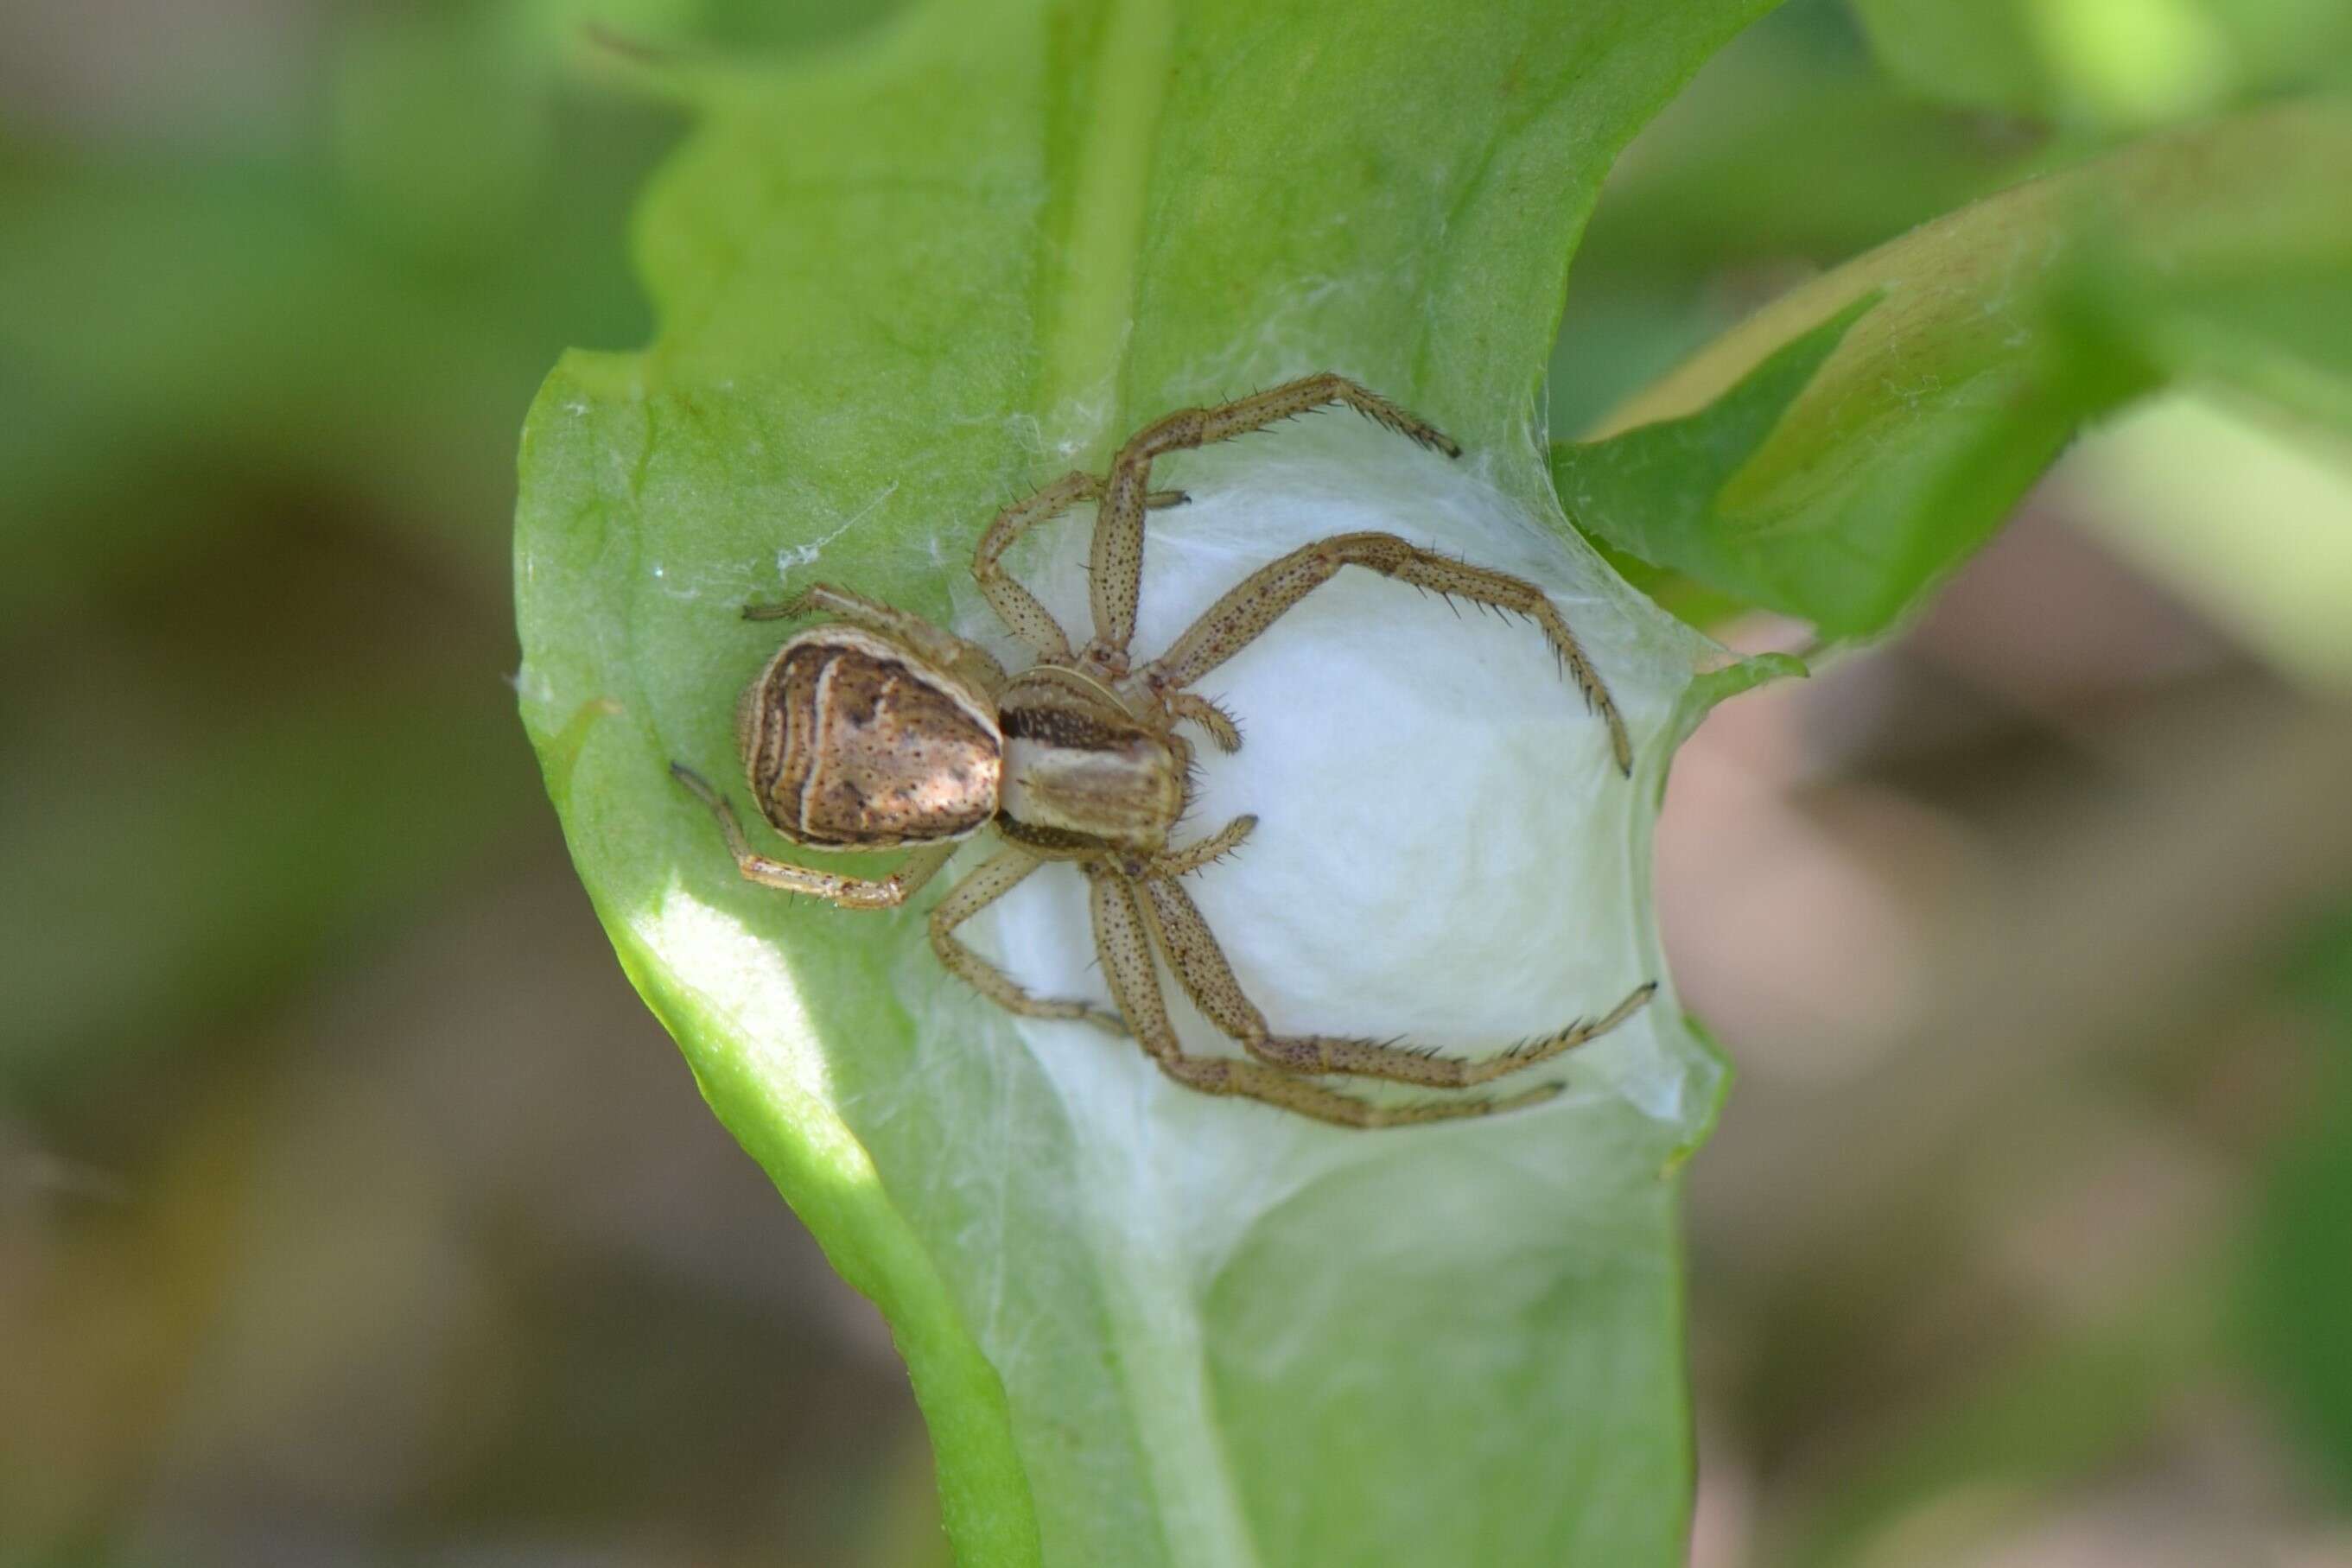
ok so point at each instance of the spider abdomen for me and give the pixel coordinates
(848, 743)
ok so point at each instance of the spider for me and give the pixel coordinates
(878, 730)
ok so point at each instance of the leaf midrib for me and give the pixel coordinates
(1090, 274)
(1088, 305)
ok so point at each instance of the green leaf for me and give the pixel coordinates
(1703, 216)
(2240, 516)
(2280, 332)
(898, 284)
(2107, 62)
(2298, 1271)
(1651, 493)
(2222, 252)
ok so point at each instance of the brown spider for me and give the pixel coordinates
(879, 730)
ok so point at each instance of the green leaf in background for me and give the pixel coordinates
(158, 902)
(1650, 493)
(2236, 513)
(2107, 62)
(896, 284)
(2220, 253)
(2301, 1272)
(1724, 200)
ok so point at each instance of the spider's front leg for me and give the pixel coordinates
(1115, 563)
(849, 892)
(1264, 596)
(1123, 939)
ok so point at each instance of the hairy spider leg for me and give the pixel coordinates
(1215, 847)
(970, 662)
(1264, 596)
(1018, 608)
(1116, 563)
(1194, 953)
(1207, 715)
(995, 877)
(849, 892)
(1122, 938)
(1005, 870)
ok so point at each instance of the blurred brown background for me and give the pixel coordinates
(352, 1211)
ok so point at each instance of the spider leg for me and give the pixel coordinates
(849, 892)
(995, 877)
(1117, 559)
(1261, 599)
(1208, 716)
(1014, 604)
(1201, 967)
(1215, 847)
(973, 663)
(1122, 937)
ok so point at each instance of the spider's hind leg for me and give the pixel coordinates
(1264, 597)
(849, 892)
(1116, 562)
(943, 648)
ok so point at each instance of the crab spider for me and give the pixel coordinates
(878, 730)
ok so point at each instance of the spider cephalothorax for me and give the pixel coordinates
(879, 730)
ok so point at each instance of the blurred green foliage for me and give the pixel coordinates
(257, 420)
(1887, 417)
(1792, 154)
(2299, 1281)
(2107, 64)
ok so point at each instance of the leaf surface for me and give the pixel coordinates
(2107, 62)
(898, 284)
